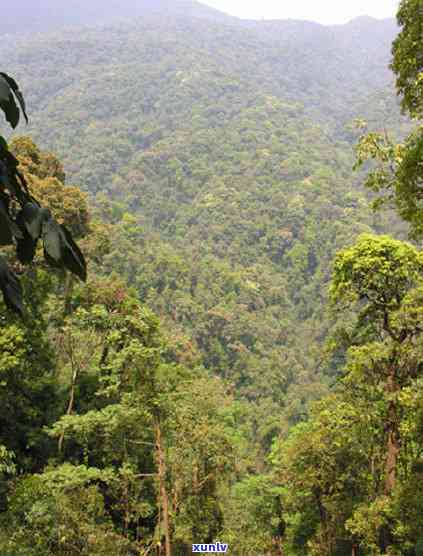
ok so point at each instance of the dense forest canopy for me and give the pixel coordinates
(244, 361)
(231, 148)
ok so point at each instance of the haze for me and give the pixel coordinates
(325, 11)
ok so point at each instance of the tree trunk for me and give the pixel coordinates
(393, 444)
(69, 282)
(163, 497)
(75, 374)
(327, 541)
(392, 452)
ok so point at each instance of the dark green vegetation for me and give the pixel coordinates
(218, 161)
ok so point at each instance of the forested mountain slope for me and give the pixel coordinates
(230, 146)
(150, 79)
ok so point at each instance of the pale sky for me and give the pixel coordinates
(322, 11)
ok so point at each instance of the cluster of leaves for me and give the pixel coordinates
(398, 176)
(407, 57)
(22, 219)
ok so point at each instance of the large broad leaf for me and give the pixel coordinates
(4, 178)
(11, 288)
(10, 178)
(8, 91)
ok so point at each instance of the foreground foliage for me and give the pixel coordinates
(23, 221)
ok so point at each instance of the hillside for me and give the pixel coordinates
(150, 84)
(328, 70)
(231, 147)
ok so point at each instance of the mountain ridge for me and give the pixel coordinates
(36, 16)
(23, 16)
(328, 70)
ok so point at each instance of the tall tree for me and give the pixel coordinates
(383, 279)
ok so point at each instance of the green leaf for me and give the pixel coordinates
(9, 89)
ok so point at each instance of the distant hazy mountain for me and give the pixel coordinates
(41, 15)
(150, 77)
